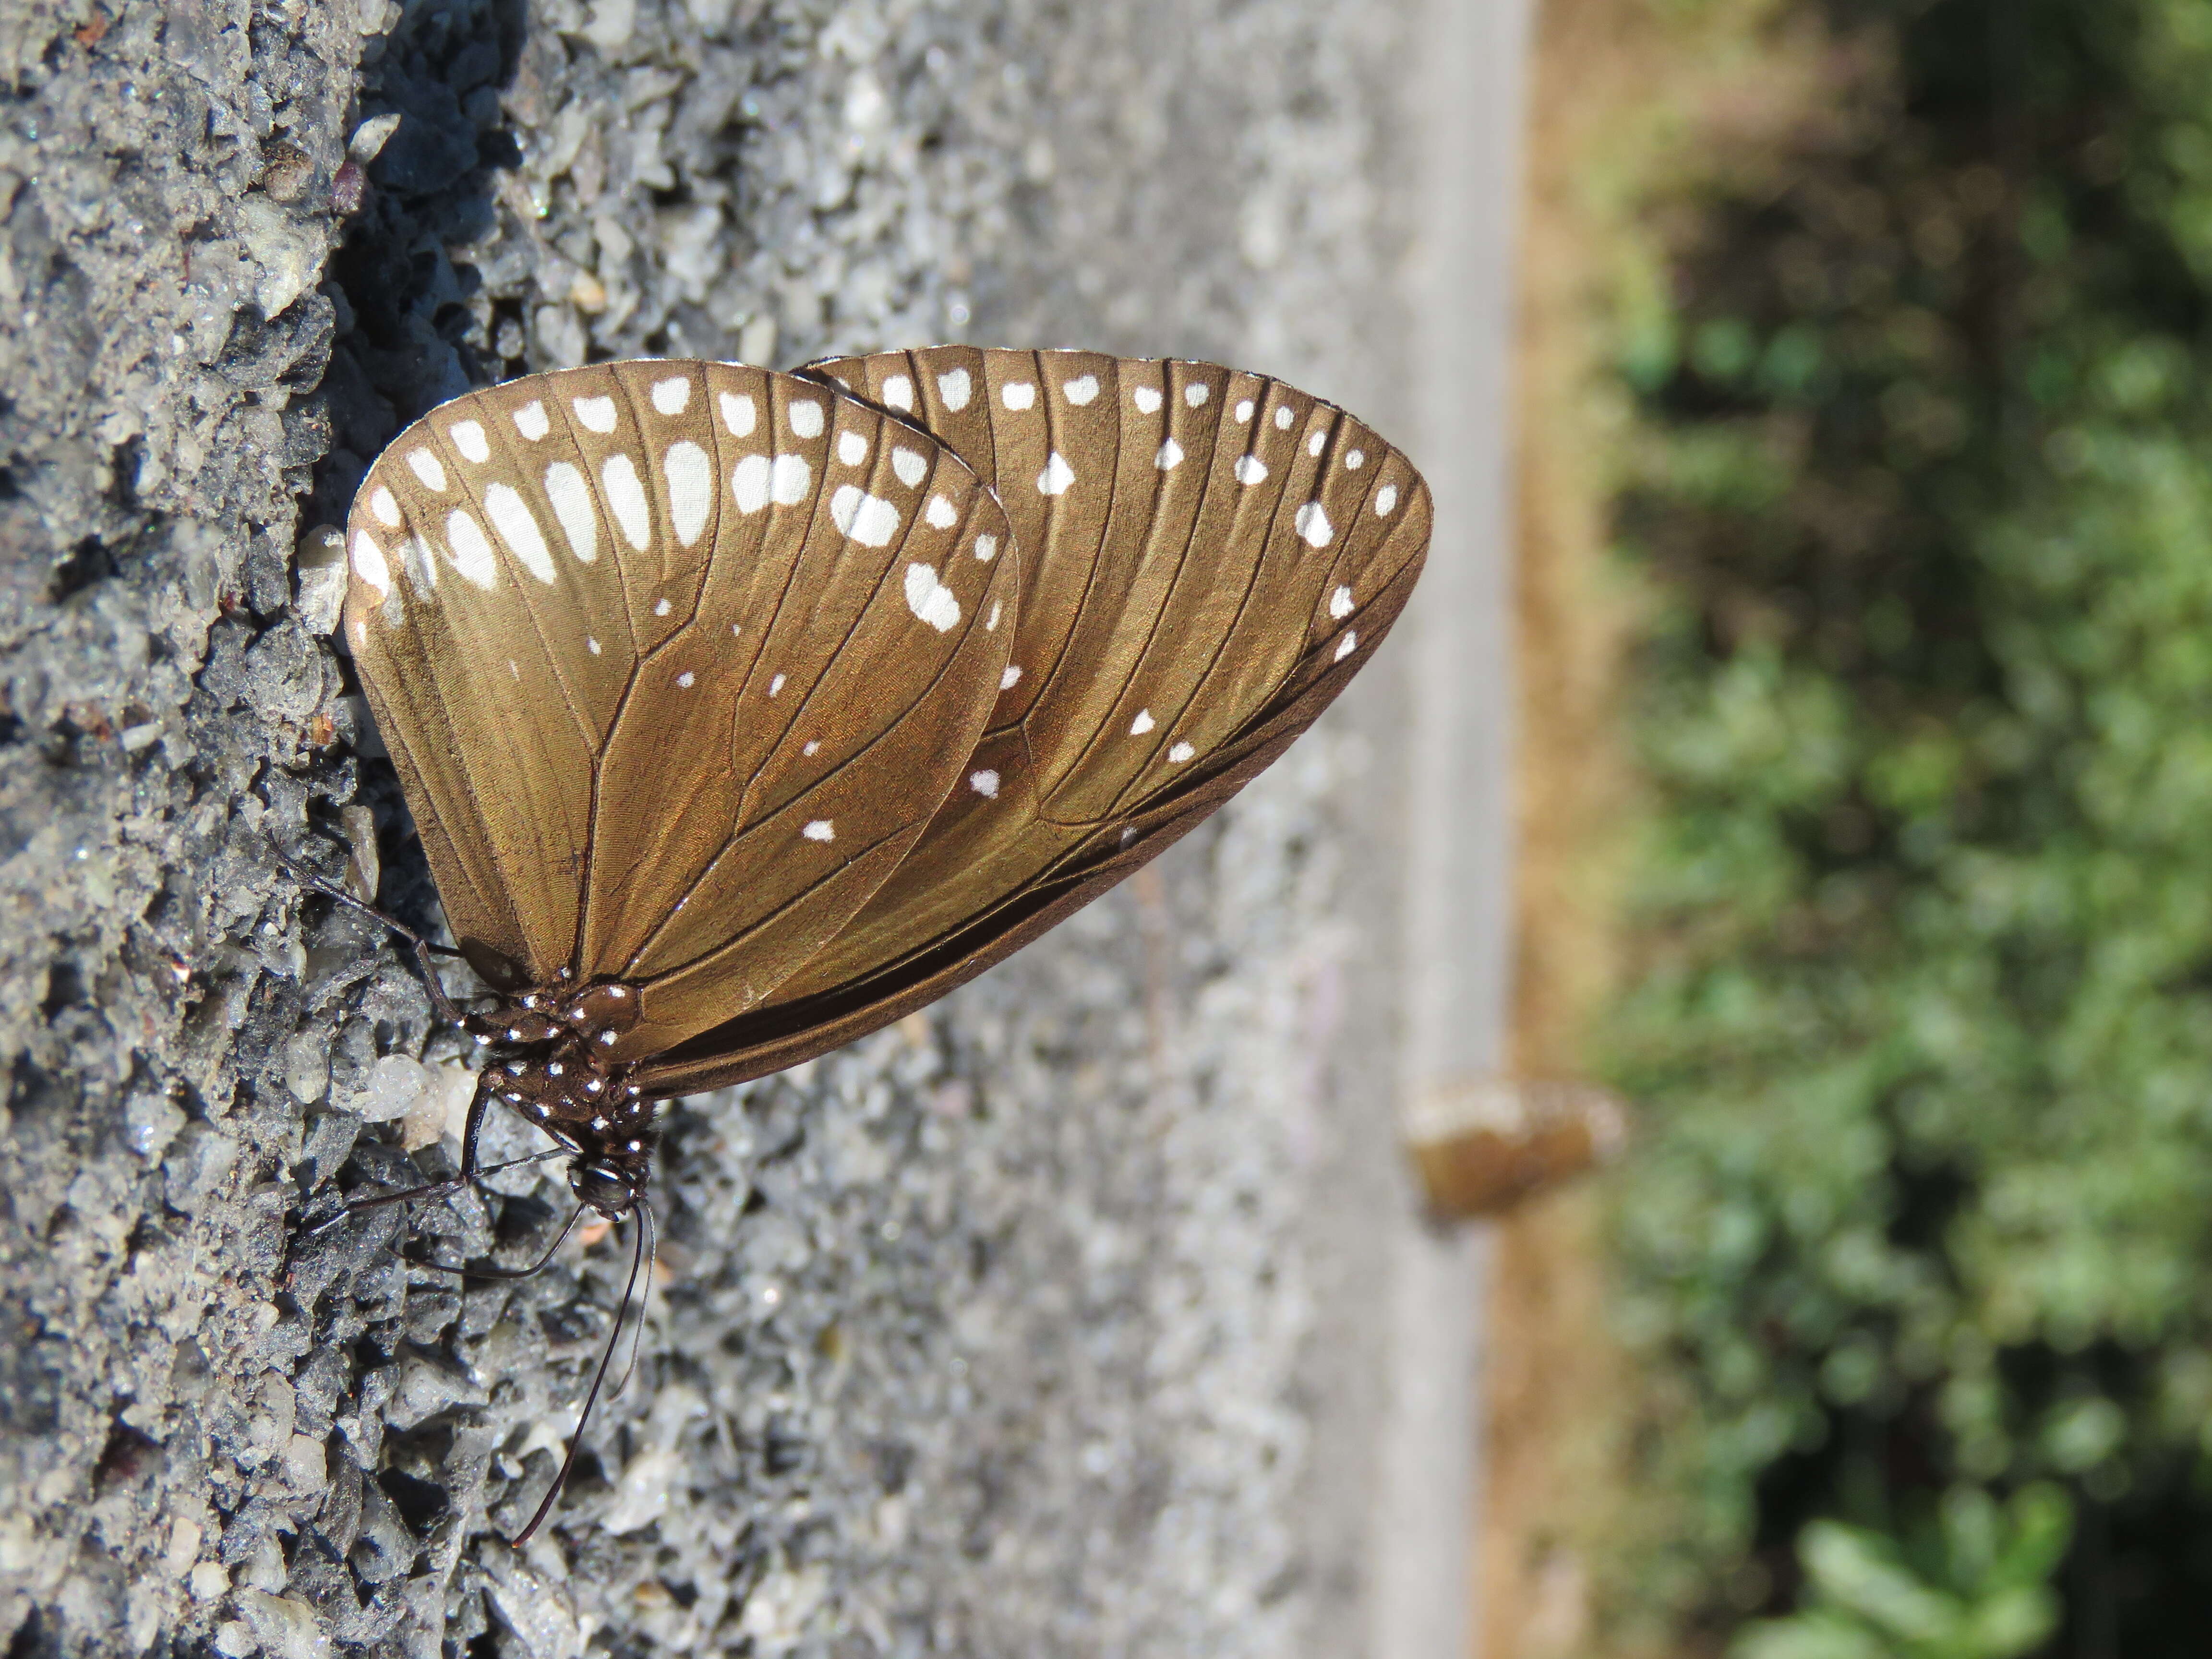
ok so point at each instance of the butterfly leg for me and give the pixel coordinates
(468, 1175)
(448, 1011)
(530, 1272)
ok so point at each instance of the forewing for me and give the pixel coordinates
(676, 659)
(1207, 557)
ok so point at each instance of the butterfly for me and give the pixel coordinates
(742, 713)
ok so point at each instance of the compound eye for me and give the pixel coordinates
(603, 1186)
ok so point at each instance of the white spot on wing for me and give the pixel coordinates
(684, 679)
(929, 598)
(1385, 499)
(626, 500)
(1316, 442)
(661, 607)
(1081, 391)
(819, 830)
(1020, 395)
(1313, 526)
(1346, 645)
(1340, 603)
(1146, 398)
(738, 414)
(1196, 393)
(954, 387)
(511, 516)
(369, 563)
(691, 487)
(673, 395)
(385, 508)
(898, 392)
(749, 484)
(984, 783)
(909, 466)
(991, 622)
(789, 479)
(1180, 753)
(868, 520)
(1355, 460)
(987, 548)
(471, 553)
(1142, 724)
(1250, 469)
(591, 645)
(1170, 456)
(1244, 412)
(940, 513)
(597, 413)
(1283, 418)
(1010, 678)
(573, 507)
(852, 448)
(427, 467)
(805, 418)
(530, 421)
(1057, 476)
(469, 437)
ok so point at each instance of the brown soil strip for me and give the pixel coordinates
(1631, 103)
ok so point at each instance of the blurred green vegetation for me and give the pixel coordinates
(1973, 1586)
(1922, 1007)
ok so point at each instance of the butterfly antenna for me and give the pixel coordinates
(652, 1261)
(598, 1377)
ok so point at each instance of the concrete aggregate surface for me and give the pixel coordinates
(1042, 1323)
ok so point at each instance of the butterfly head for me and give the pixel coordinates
(614, 1188)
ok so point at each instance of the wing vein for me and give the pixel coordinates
(595, 804)
(742, 830)
(1136, 659)
(798, 897)
(1122, 808)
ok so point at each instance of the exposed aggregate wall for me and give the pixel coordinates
(1042, 1323)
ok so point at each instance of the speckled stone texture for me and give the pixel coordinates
(1042, 1324)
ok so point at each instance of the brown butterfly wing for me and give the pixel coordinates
(1209, 557)
(676, 661)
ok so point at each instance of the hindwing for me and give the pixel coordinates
(1206, 557)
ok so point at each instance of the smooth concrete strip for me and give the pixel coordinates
(1459, 913)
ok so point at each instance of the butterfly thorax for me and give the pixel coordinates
(548, 1064)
